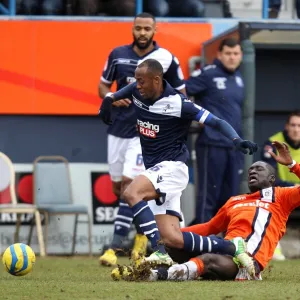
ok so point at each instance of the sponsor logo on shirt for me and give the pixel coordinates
(140, 104)
(137, 102)
(123, 61)
(256, 203)
(147, 129)
(238, 198)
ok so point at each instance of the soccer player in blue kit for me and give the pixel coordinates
(163, 120)
(124, 149)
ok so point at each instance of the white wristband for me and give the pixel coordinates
(108, 94)
(292, 164)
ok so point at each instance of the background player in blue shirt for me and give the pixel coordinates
(124, 151)
(163, 120)
(218, 88)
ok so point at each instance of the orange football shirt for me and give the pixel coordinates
(260, 218)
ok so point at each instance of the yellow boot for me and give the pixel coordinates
(122, 272)
(109, 258)
(278, 255)
(140, 247)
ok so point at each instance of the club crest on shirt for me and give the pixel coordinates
(239, 81)
(167, 108)
(220, 82)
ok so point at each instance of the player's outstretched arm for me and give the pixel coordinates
(227, 130)
(197, 113)
(106, 106)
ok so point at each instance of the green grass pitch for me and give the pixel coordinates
(82, 278)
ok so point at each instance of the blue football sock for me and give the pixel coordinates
(122, 224)
(138, 229)
(144, 218)
(207, 244)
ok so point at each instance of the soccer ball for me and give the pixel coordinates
(18, 259)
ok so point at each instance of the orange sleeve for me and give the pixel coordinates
(216, 225)
(291, 195)
(296, 170)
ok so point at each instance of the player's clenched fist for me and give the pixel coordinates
(105, 110)
(245, 145)
(122, 103)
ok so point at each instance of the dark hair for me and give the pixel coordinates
(295, 113)
(229, 42)
(145, 15)
(271, 169)
(153, 66)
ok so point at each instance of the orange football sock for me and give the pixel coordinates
(200, 265)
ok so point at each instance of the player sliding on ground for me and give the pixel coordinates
(260, 218)
(163, 119)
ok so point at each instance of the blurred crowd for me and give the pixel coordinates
(275, 7)
(159, 8)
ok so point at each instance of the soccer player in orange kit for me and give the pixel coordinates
(259, 217)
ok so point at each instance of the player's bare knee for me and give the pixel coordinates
(130, 196)
(127, 196)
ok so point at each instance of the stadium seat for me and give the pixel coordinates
(52, 194)
(9, 204)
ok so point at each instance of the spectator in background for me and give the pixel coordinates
(175, 8)
(104, 7)
(158, 8)
(43, 7)
(121, 8)
(5, 3)
(218, 88)
(275, 5)
(187, 8)
(226, 9)
(291, 136)
(274, 8)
